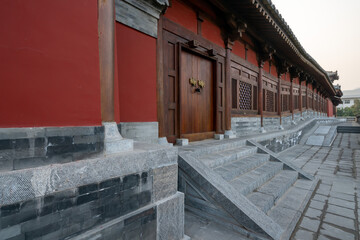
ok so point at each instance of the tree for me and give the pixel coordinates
(352, 111)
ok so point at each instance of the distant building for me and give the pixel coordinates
(349, 98)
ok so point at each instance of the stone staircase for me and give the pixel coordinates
(244, 187)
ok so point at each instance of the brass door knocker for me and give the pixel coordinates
(198, 84)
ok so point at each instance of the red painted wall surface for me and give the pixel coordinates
(116, 84)
(246, 38)
(287, 77)
(49, 63)
(183, 15)
(212, 33)
(330, 109)
(266, 67)
(239, 49)
(251, 57)
(136, 62)
(273, 70)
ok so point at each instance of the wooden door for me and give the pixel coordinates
(196, 102)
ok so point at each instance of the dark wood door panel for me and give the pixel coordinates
(195, 115)
(196, 107)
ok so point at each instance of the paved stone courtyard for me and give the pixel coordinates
(334, 210)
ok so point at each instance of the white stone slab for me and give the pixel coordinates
(182, 141)
(323, 130)
(219, 136)
(315, 140)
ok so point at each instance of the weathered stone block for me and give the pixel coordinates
(140, 131)
(182, 141)
(170, 217)
(164, 181)
(219, 136)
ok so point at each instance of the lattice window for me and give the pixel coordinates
(270, 101)
(303, 101)
(285, 102)
(245, 95)
(296, 101)
(264, 99)
(255, 97)
(234, 95)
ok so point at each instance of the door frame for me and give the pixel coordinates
(184, 47)
(171, 34)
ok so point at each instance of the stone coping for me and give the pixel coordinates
(37, 132)
(210, 145)
(21, 185)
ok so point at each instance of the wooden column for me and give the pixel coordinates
(292, 98)
(160, 79)
(260, 93)
(283, 67)
(300, 97)
(106, 31)
(313, 100)
(307, 92)
(279, 97)
(229, 45)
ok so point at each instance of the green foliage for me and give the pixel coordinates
(352, 111)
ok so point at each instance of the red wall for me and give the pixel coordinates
(239, 49)
(266, 67)
(49, 63)
(136, 62)
(273, 70)
(212, 33)
(251, 57)
(330, 109)
(181, 14)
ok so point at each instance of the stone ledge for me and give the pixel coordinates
(36, 182)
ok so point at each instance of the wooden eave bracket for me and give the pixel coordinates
(236, 27)
(294, 72)
(266, 53)
(193, 44)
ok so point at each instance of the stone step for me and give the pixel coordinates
(253, 179)
(241, 166)
(266, 196)
(288, 209)
(214, 160)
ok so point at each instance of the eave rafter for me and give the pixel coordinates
(263, 17)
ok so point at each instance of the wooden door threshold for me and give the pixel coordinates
(198, 136)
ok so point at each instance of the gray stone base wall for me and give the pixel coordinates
(286, 121)
(271, 123)
(297, 117)
(137, 190)
(22, 148)
(140, 131)
(245, 125)
(242, 126)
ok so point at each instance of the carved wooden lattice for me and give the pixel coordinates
(255, 97)
(285, 103)
(270, 101)
(296, 101)
(303, 101)
(245, 95)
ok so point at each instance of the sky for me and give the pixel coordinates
(329, 30)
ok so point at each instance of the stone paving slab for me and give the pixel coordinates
(333, 212)
(322, 130)
(315, 140)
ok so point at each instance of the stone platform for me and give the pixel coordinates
(241, 186)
